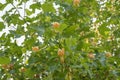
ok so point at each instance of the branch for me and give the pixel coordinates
(19, 13)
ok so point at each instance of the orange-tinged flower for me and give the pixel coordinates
(61, 52)
(56, 24)
(108, 55)
(76, 2)
(91, 55)
(35, 48)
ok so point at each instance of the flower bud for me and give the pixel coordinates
(76, 3)
(91, 55)
(22, 69)
(36, 76)
(61, 52)
(108, 55)
(35, 48)
(56, 25)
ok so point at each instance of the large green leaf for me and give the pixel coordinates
(35, 6)
(39, 29)
(4, 60)
(48, 7)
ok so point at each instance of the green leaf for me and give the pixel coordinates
(39, 29)
(69, 1)
(70, 43)
(49, 77)
(28, 12)
(29, 72)
(70, 31)
(9, 1)
(103, 29)
(90, 73)
(4, 60)
(2, 6)
(35, 6)
(1, 26)
(61, 28)
(117, 33)
(48, 7)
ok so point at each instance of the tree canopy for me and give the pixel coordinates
(60, 40)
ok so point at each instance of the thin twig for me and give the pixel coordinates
(19, 13)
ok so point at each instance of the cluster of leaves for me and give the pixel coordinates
(85, 33)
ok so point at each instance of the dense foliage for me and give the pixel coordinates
(66, 40)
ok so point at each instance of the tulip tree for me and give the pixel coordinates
(66, 40)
